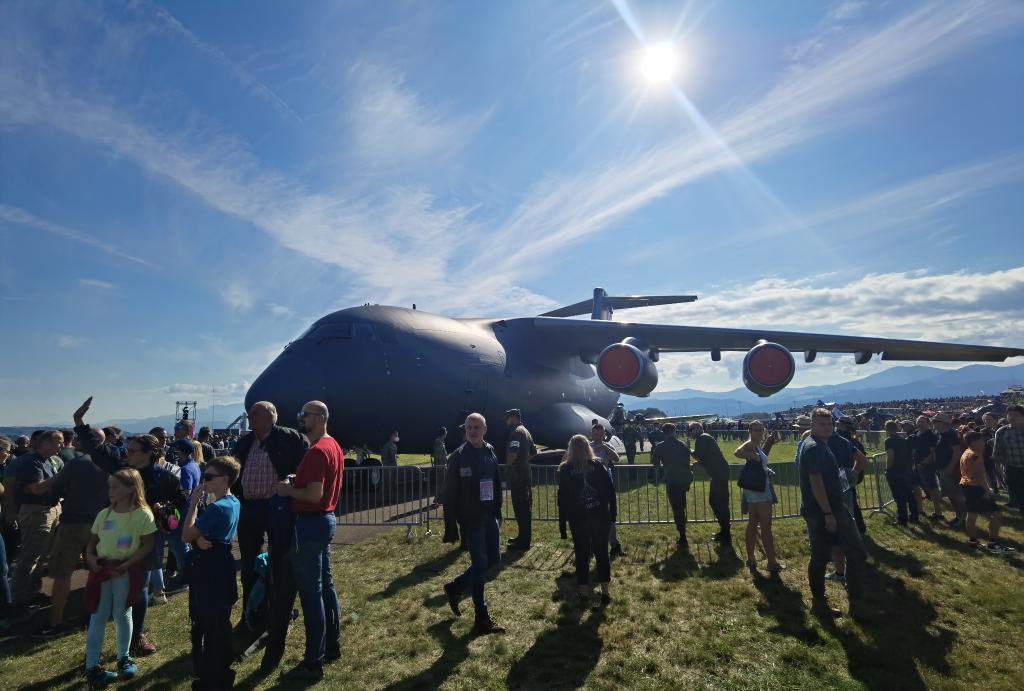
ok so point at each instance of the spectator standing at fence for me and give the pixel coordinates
(922, 450)
(979, 496)
(630, 438)
(439, 454)
(122, 536)
(389, 452)
(211, 574)
(473, 501)
(947, 452)
(829, 520)
(608, 457)
(314, 492)
(709, 456)
(899, 471)
(1008, 451)
(674, 456)
(852, 459)
(37, 514)
(519, 451)
(759, 502)
(83, 487)
(586, 501)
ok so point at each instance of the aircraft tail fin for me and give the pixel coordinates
(603, 305)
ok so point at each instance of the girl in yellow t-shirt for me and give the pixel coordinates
(122, 536)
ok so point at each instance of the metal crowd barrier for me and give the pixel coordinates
(384, 496)
(640, 494)
(870, 439)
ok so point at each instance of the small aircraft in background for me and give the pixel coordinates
(381, 369)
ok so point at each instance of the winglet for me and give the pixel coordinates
(602, 305)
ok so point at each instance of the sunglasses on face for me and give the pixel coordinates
(208, 477)
(306, 413)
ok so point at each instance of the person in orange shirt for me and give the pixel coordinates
(978, 495)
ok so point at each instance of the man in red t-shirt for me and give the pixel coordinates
(314, 491)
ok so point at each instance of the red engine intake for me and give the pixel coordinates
(625, 368)
(768, 368)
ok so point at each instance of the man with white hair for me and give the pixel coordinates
(268, 454)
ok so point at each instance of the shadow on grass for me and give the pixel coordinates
(563, 656)
(454, 649)
(959, 544)
(905, 561)
(420, 573)
(678, 565)
(900, 634)
(786, 606)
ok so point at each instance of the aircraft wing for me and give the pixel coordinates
(589, 338)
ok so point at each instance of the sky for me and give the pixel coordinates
(185, 187)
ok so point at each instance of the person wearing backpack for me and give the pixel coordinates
(586, 501)
(755, 481)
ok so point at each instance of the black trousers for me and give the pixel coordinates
(903, 495)
(522, 506)
(677, 500)
(212, 654)
(718, 498)
(1015, 486)
(822, 541)
(631, 453)
(590, 537)
(281, 600)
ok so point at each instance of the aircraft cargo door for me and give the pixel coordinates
(476, 390)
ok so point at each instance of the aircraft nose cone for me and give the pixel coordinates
(288, 382)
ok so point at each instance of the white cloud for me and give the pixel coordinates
(391, 124)
(237, 296)
(95, 283)
(280, 310)
(69, 342)
(12, 214)
(206, 389)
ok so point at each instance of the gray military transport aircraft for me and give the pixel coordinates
(381, 369)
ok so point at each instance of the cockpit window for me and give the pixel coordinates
(326, 332)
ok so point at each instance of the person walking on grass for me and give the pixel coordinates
(759, 502)
(473, 501)
(121, 540)
(211, 574)
(978, 495)
(586, 501)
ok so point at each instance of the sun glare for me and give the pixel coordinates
(659, 63)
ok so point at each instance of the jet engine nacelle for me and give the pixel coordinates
(768, 368)
(625, 368)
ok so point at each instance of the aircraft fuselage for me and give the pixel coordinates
(381, 369)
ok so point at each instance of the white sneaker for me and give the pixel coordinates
(157, 599)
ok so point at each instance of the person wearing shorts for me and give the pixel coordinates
(978, 495)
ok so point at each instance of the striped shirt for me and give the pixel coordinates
(1008, 446)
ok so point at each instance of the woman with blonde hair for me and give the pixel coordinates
(122, 537)
(759, 499)
(586, 501)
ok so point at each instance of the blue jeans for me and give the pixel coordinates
(483, 543)
(113, 599)
(311, 562)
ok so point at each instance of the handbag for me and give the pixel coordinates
(752, 476)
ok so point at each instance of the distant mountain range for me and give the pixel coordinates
(226, 414)
(897, 383)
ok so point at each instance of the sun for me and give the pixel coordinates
(659, 63)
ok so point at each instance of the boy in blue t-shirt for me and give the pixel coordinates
(211, 573)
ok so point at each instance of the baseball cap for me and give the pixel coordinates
(183, 446)
(513, 412)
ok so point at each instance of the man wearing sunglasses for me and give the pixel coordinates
(313, 492)
(211, 573)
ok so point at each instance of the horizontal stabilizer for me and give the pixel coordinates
(602, 305)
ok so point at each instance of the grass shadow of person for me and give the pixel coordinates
(900, 633)
(962, 546)
(676, 566)
(454, 649)
(903, 561)
(562, 657)
(419, 573)
(786, 606)
(727, 563)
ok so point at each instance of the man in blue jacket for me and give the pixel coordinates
(473, 500)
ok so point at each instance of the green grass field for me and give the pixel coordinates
(946, 617)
